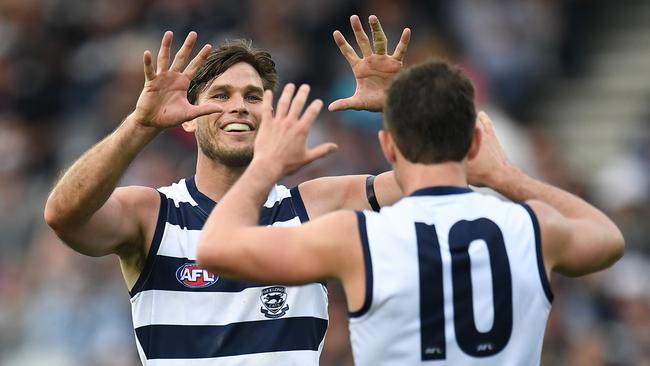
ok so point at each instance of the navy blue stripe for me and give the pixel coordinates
(183, 341)
(185, 215)
(367, 260)
(440, 190)
(153, 249)
(164, 278)
(298, 204)
(189, 217)
(284, 210)
(540, 257)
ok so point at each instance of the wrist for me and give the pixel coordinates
(507, 178)
(138, 127)
(265, 169)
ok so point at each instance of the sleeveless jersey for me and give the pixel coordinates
(183, 314)
(452, 277)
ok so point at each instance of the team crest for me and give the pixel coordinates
(192, 276)
(274, 302)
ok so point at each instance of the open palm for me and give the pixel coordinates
(163, 101)
(373, 72)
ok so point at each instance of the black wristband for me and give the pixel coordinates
(370, 193)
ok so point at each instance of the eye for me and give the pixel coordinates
(220, 96)
(253, 98)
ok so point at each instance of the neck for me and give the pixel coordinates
(214, 179)
(413, 176)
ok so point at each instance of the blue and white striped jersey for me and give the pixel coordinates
(183, 314)
(453, 277)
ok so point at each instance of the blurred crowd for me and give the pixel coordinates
(71, 70)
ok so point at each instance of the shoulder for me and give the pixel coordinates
(138, 198)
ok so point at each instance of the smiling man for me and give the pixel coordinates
(182, 313)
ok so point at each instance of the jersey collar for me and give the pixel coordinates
(440, 191)
(205, 203)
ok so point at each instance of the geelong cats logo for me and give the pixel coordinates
(274, 299)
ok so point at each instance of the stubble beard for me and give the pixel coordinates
(232, 158)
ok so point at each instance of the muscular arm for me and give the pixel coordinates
(577, 238)
(84, 208)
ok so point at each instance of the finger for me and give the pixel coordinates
(342, 104)
(311, 113)
(320, 151)
(184, 53)
(345, 48)
(403, 44)
(360, 35)
(378, 35)
(487, 123)
(197, 61)
(162, 64)
(267, 105)
(203, 110)
(298, 102)
(285, 100)
(147, 60)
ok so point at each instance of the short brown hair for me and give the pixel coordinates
(228, 54)
(430, 112)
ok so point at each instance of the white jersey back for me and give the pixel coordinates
(453, 277)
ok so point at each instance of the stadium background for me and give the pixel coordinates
(567, 83)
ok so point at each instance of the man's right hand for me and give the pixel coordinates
(374, 71)
(163, 102)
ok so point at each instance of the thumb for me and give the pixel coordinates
(320, 151)
(342, 104)
(202, 110)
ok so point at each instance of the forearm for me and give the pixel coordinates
(517, 186)
(89, 182)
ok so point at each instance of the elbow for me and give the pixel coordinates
(53, 217)
(618, 246)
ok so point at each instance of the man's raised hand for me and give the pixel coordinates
(163, 102)
(282, 137)
(490, 165)
(374, 71)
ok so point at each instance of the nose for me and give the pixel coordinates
(238, 105)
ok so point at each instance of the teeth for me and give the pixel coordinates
(240, 127)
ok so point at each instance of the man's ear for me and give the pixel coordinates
(387, 146)
(189, 126)
(477, 138)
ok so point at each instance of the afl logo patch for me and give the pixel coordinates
(192, 276)
(274, 302)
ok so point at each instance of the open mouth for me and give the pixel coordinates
(237, 127)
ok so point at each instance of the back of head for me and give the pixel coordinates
(227, 55)
(430, 113)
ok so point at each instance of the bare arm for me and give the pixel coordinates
(85, 208)
(577, 238)
(373, 73)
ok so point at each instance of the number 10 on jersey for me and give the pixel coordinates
(432, 298)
